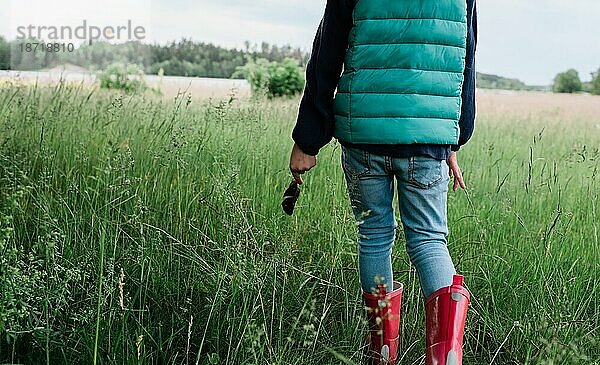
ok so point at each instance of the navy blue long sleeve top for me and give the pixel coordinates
(315, 122)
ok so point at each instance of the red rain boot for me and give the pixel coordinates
(445, 314)
(383, 314)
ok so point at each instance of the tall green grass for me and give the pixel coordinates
(140, 230)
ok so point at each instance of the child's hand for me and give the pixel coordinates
(455, 171)
(300, 162)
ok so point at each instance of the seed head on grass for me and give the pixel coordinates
(138, 346)
(121, 284)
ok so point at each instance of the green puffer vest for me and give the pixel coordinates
(403, 74)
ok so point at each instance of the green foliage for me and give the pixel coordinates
(567, 82)
(100, 55)
(34, 277)
(123, 77)
(188, 58)
(21, 57)
(277, 79)
(150, 231)
(286, 78)
(4, 54)
(487, 81)
(181, 58)
(256, 72)
(595, 84)
(179, 68)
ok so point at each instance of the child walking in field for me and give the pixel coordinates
(405, 104)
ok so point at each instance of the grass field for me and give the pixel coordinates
(141, 230)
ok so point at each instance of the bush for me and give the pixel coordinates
(256, 72)
(284, 78)
(123, 77)
(595, 84)
(567, 82)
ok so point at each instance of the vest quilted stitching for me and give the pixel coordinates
(403, 74)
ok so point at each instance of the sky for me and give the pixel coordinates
(527, 39)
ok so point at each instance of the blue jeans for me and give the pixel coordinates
(422, 194)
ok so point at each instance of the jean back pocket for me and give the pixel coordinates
(355, 162)
(425, 172)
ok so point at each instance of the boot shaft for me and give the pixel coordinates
(445, 314)
(383, 315)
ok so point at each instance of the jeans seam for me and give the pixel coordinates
(367, 161)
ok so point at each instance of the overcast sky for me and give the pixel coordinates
(528, 39)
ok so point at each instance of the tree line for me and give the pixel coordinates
(198, 59)
(488, 81)
(177, 58)
(570, 82)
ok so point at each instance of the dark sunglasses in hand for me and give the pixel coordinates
(290, 197)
